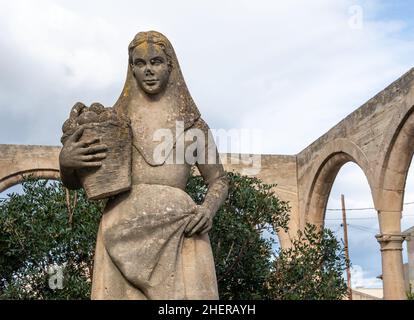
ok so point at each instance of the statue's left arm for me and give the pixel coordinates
(216, 179)
(212, 171)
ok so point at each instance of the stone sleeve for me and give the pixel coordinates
(211, 169)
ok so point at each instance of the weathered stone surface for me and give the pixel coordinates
(152, 242)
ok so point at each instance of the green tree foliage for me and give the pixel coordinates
(241, 251)
(38, 231)
(46, 226)
(410, 293)
(311, 269)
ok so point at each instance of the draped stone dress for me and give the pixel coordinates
(141, 250)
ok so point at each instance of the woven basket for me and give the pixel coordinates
(114, 176)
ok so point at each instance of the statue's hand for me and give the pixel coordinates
(86, 154)
(201, 223)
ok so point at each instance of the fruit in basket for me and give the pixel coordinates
(69, 126)
(113, 129)
(97, 108)
(96, 113)
(77, 109)
(87, 117)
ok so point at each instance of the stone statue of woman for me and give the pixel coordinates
(153, 240)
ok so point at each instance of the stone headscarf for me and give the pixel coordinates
(176, 93)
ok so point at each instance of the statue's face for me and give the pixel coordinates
(150, 67)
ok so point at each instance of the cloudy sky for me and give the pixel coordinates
(292, 69)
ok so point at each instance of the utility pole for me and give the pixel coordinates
(348, 269)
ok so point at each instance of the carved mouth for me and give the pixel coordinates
(151, 82)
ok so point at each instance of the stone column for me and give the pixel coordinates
(410, 253)
(391, 240)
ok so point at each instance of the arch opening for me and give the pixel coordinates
(322, 185)
(362, 227)
(407, 225)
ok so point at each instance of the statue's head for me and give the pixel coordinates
(154, 77)
(150, 59)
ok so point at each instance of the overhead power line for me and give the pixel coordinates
(361, 209)
(364, 228)
(367, 218)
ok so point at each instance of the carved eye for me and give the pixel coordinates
(157, 62)
(139, 63)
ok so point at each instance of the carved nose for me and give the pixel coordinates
(148, 71)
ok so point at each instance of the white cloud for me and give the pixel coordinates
(362, 279)
(293, 69)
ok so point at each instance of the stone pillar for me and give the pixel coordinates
(410, 253)
(391, 240)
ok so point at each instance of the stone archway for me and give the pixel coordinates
(396, 164)
(334, 155)
(18, 177)
(19, 161)
(391, 190)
